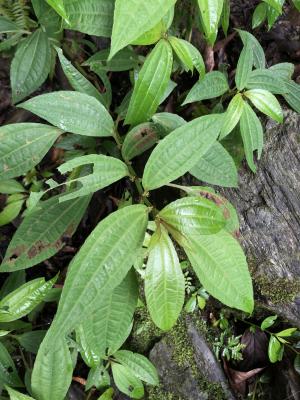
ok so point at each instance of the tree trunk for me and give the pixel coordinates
(268, 204)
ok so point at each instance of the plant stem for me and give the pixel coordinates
(89, 395)
(138, 185)
(254, 389)
(23, 358)
(117, 138)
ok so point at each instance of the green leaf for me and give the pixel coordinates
(16, 325)
(94, 17)
(193, 216)
(178, 152)
(14, 395)
(225, 18)
(23, 146)
(168, 121)
(98, 377)
(48, 18)
(216, 167)
(182, 52)
(8, 372)
(283, 70)
(23, 300)
(42, 232)
(126, 382)
(191, 305)
(232, 115)
(266, 102)
(106, 170)
(252, 135)
(297, 358)
(197, 58)
(272, 16)
(232, 221)
(12, 282)
(168, 18)
(150, 37)
(244, 66)
(293, 95)
(11, 186)
(164, 282)
(259, 15)
(275, 349)
(73, 112)
(4, 333)
(58, 6)
(139, 365)
(10, 212)
(101, 264)
(8, 26)
(31, 341)
(296, 4)
(139, 139)
(268, 322)
(76, 79)
(113, 318)
(210, 11)
(30, 66)
(53, 295)
(12, 41)
(127, 27)
(286, 332)
(151, 84)
(169, 89)
(221, 266)
(107, 395)
(276, 4)
(52, 371)
(214, 84)
(264, 79)
(259, 59)
(124, 60)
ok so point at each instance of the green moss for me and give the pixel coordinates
(144, 333)
(214, 390)
(206, 331)
(278, 290)
(157, 393)
(183, 354)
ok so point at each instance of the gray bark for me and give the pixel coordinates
(268, 204)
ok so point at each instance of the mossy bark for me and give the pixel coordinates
(268, 204)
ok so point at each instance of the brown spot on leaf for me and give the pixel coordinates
(226, 213)
(69, 231)
(146, 137)
(40, 246)
(16, 252)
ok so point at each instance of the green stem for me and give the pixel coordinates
(254, 389)
(89, 394)
(24, 359)
(138, 185)
(117, 138)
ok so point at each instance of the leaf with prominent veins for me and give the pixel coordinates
(164, 282)
(127, 28)
(101, 264)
